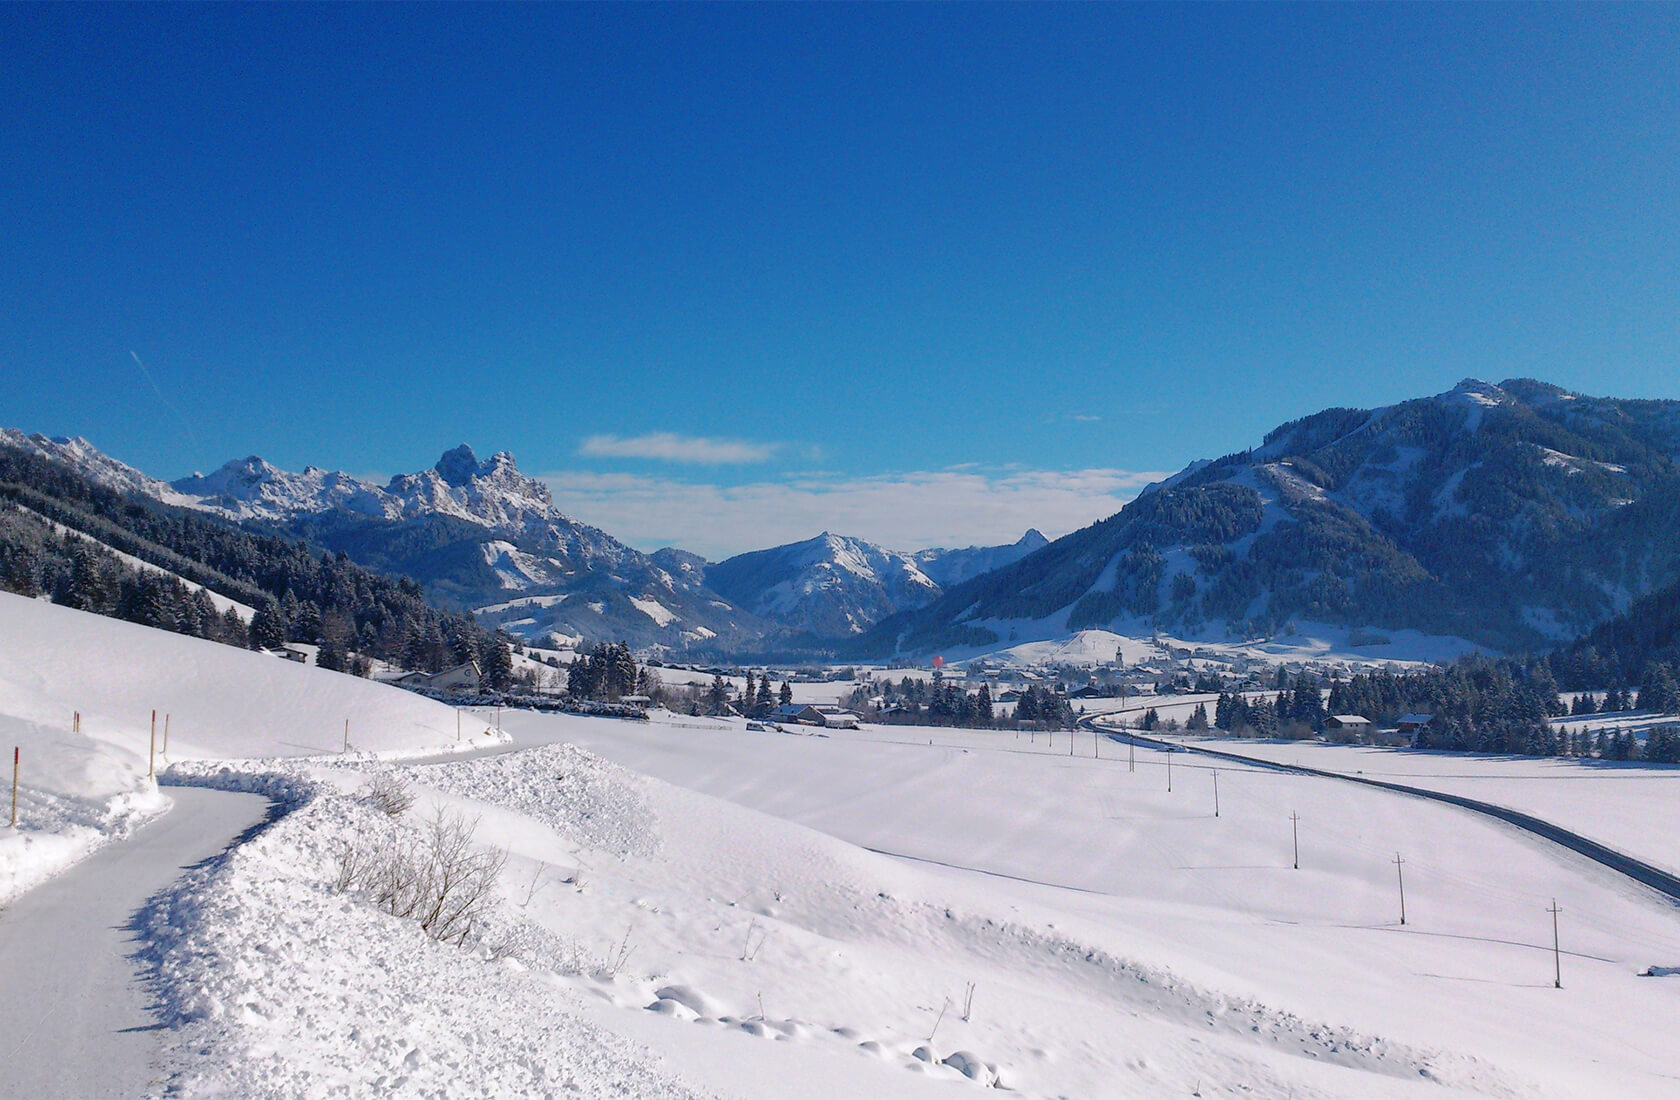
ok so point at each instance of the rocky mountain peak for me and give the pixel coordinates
(459, 466)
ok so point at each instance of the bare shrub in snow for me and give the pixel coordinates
(436, 877)
(389, 794)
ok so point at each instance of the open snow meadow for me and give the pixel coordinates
(684, 907)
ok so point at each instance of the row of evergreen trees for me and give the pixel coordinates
(938, 703)
(1475, 705)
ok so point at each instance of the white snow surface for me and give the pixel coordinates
(691, 908)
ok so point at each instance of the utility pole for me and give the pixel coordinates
(1216, 792)
(1169, 769)
(1295, 832)
(1398, 864)
(1557, 959)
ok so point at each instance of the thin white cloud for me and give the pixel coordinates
(910, 511)
(670, 447)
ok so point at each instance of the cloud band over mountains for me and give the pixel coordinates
(953, 508)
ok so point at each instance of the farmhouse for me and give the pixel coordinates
(1353, 725)
(463, 677)
(820, 714)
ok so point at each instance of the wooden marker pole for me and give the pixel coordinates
(1295, 833)
(166, 735)
(1401, 874)
(1557, 959)
(151, 760)
(15, 749)
(1216, 792)
(457, 723)
(347, 735)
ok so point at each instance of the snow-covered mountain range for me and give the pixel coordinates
(481, 536)
(835, 586)
(1515, 516)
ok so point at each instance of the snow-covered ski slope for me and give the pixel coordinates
(690, 908)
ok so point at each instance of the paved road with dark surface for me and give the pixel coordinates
(1643, 873)
(75, 1018)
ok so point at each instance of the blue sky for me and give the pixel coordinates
(731, 275)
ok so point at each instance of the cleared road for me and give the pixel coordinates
(75, 1018)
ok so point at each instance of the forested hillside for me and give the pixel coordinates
(1516, 516)
(58, 532)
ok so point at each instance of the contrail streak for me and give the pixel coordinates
(168, 404)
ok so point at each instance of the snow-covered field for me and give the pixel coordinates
(690, 908)
(1634, 808)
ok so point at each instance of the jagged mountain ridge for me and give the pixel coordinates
(477, 536)
(492, 493)
(1513, 515)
